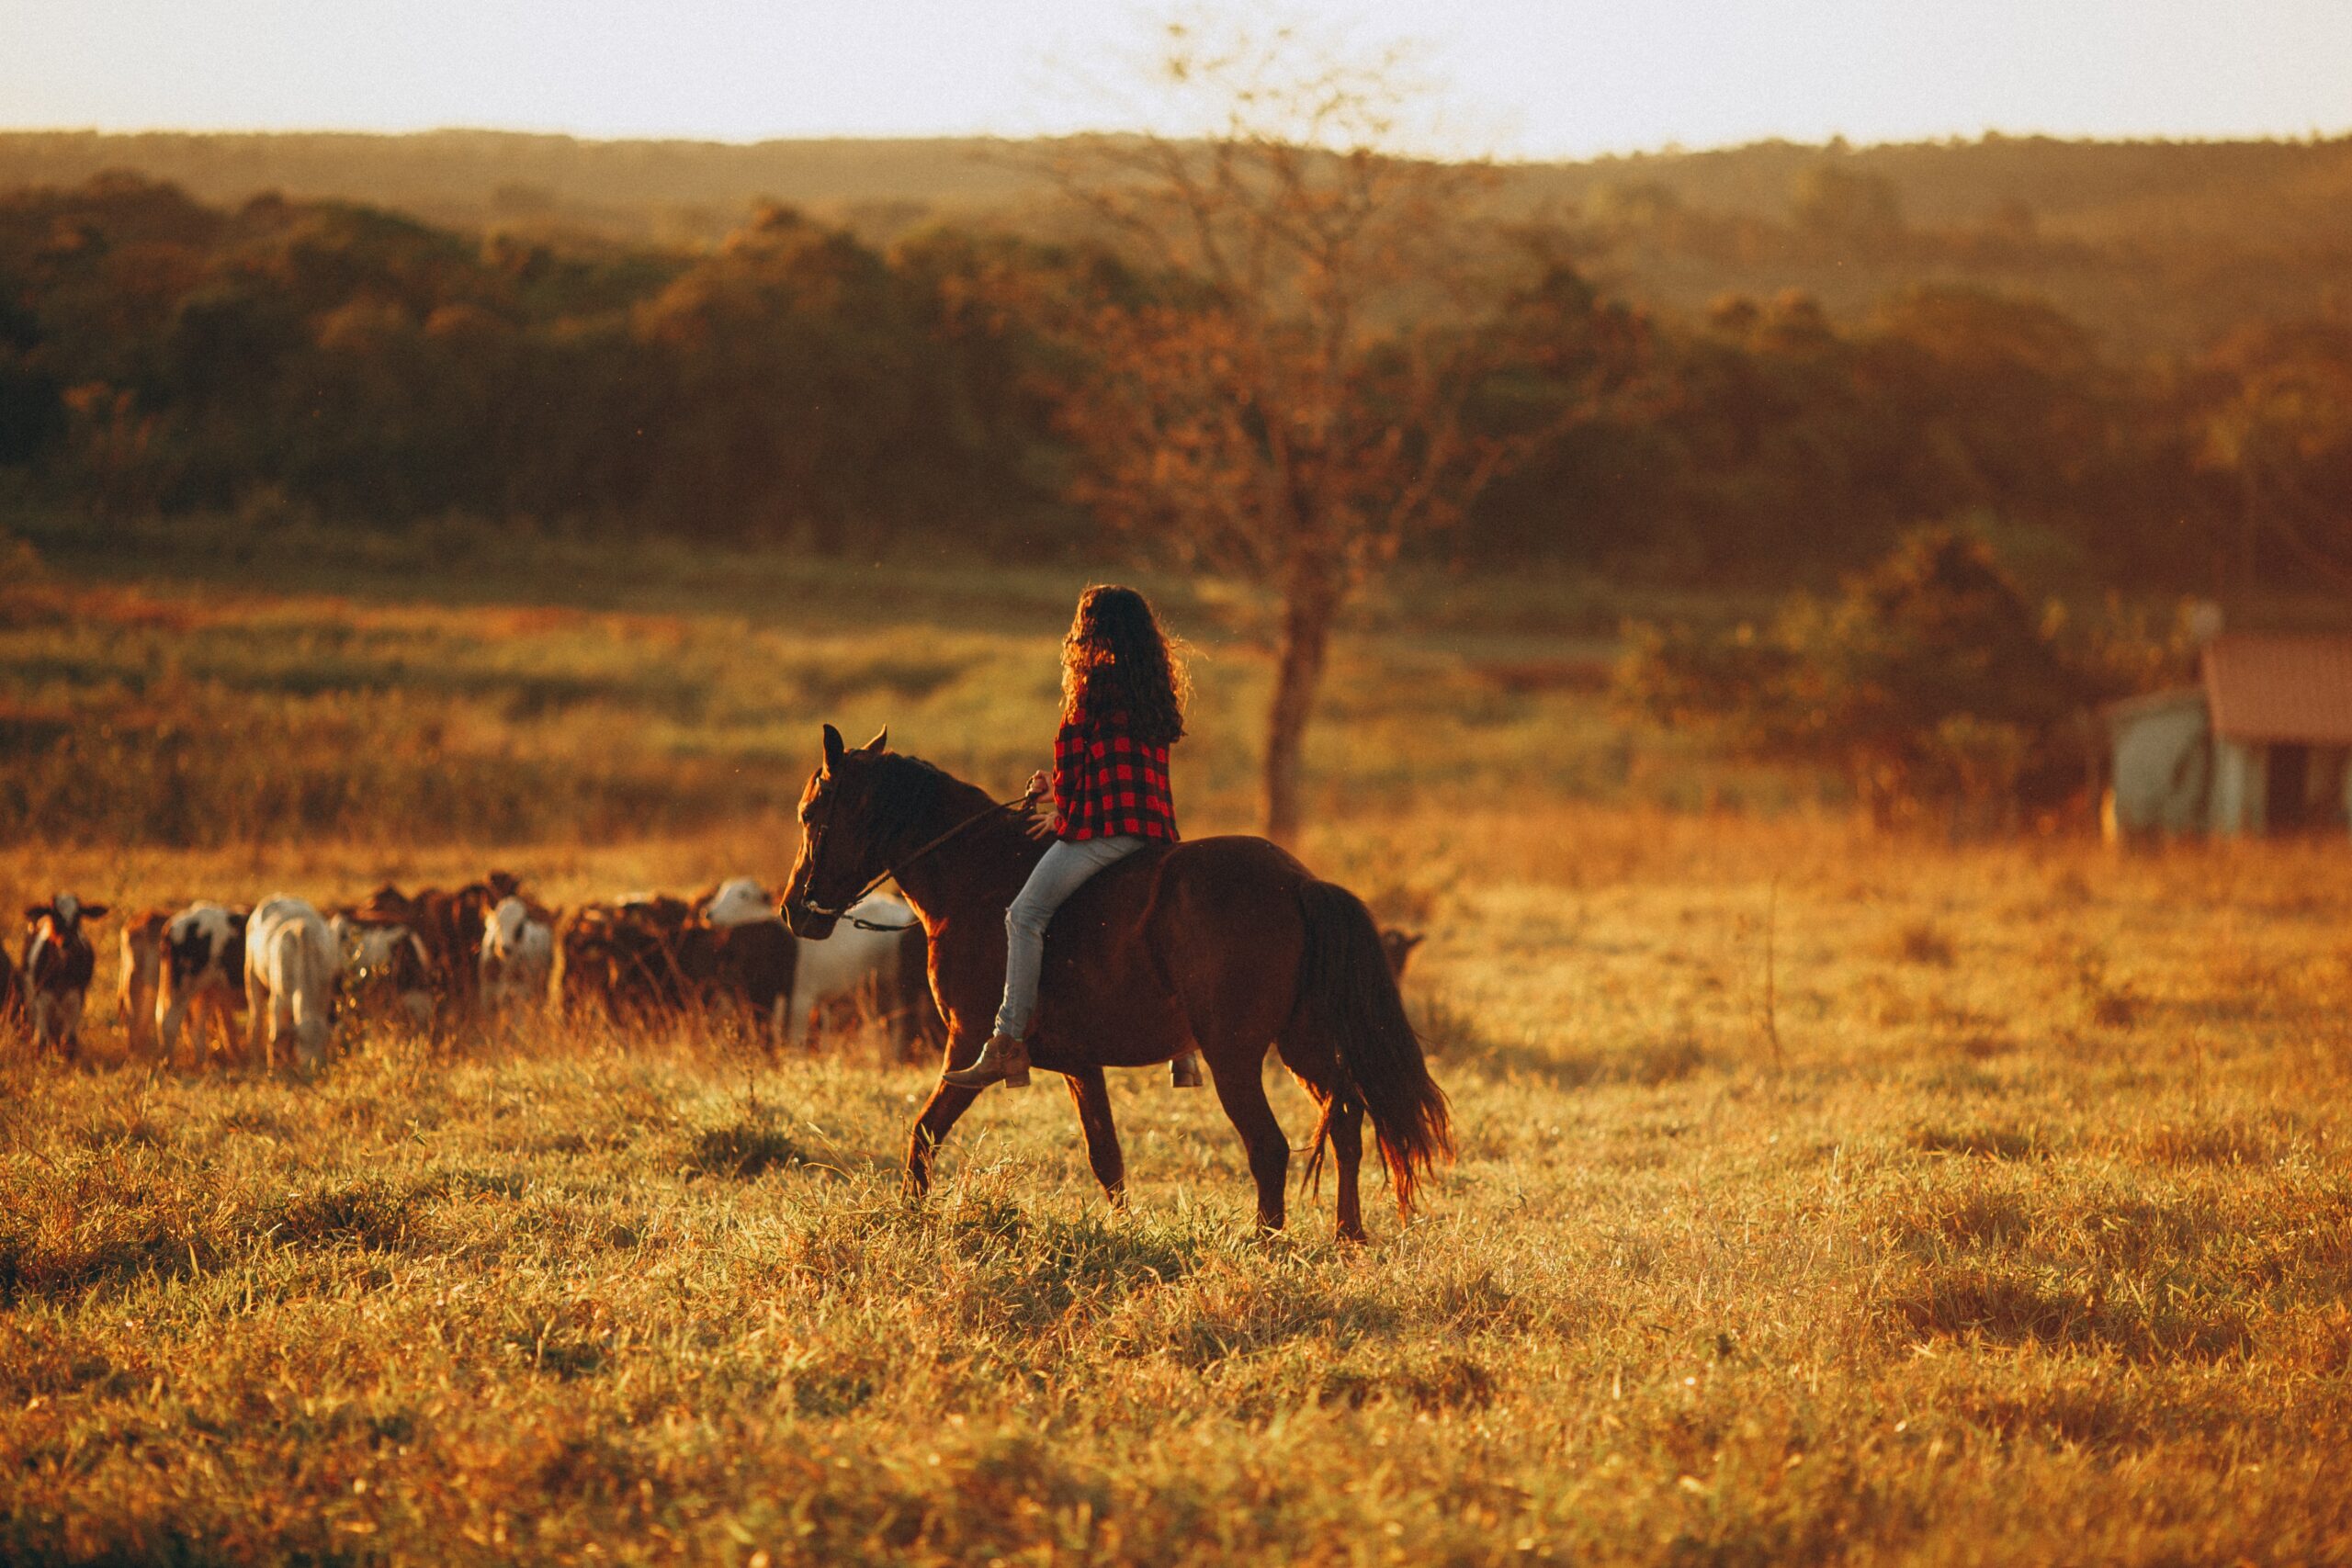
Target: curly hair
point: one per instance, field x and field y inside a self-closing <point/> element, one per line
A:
<point x="1116" y="659"/>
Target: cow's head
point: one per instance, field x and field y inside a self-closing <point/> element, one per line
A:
<point x="840" y="852"/>
<point x="505" y="923"/>
<point x="62" y="915"/>
<point x="1397" y="946"/>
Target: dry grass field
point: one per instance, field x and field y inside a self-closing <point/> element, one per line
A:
<point x="1822" y="1197"/>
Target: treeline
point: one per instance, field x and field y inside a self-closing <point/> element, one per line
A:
<point x="2155" y="245"/>
<point x="796" y="384"/>
<point x="790" y="385"/>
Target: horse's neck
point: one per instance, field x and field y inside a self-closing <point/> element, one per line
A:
<point x="976" y="872"/>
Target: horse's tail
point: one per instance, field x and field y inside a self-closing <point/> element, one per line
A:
<point x="1348" y="994"/>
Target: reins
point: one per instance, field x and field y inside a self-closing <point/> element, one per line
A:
<point x="887" y="872"/>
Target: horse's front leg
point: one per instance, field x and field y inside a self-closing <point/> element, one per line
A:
<point x="940" y="1113"/>
<point x="1092" y="1097"/>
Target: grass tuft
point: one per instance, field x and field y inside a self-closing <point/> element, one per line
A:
<point x="370" y="1213"/>
<point x="741" y="1150"/>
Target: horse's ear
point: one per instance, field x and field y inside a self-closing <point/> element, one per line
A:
<point x="96" y="912"/>
<point x="834" y="747"/>
<point x="881" y="740"/>
<point x="35" y="911"/>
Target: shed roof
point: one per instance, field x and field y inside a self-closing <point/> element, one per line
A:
<point x="2277" y="687"/>
<point x="2124" y="710"/>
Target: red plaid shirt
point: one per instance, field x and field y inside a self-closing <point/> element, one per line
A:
<point x="1108" y="784"/>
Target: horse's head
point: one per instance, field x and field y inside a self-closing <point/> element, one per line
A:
<point x="842" y="837"/>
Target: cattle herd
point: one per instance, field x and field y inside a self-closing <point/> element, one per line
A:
<point x="438" y="960"/>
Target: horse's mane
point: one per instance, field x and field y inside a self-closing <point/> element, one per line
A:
<point x="903" y="793"/>
<point x="906" y="793"/>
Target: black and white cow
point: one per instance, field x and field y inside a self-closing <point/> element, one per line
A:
<point x="387" y="971"/>
<point x="57" y="967"/>
<point x="202" y="975"/>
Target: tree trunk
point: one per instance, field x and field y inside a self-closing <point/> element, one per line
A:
<point x="1311" y="600"/>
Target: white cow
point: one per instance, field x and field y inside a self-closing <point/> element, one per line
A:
<point x="518" y="952"/>
<point x="848" y="960"/>
<point x="292" y="967"/>
<point x="740" y="901"/>
<point x="203" y="961"/>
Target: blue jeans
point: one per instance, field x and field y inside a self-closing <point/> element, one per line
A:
<point x="1063" y="872"/>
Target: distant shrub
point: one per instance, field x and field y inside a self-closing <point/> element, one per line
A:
<point x="1929" y="682"/>
<point x="1923" y="941"/>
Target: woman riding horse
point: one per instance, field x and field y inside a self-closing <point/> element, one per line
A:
<point x="1220" y="945"/>
<point x="1123" y="706"/>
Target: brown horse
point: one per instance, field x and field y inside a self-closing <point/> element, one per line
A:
<point x="1226" y="945"/>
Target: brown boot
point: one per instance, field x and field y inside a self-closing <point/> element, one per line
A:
<point x="1003" y="1059"/>
<point x="1184" y="1072"/>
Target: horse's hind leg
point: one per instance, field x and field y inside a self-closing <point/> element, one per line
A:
<point x="1241" y="1089"/>
<point x="1319" y="1069"/>
<point x="1347" y="1146"/>
<point x="1092" y="1097"/>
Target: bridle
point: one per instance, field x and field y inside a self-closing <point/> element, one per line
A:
<point x="816" y="847"/>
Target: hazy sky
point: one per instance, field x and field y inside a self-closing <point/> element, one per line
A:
<point x="1523" y="77"/>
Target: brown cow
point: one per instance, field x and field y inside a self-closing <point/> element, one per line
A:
<point x="753" y="970"/>
<point x="58" y="964"/>
<point x="582" y="974"/>
<point x="1396" y="946"/>
<point x="12" y="997"/>
<point x="634" y="960"/>
<point x="142" y="976"/>
<point x="654" y="956"/>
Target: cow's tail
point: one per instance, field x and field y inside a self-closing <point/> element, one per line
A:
<point x="1348" y="995"/>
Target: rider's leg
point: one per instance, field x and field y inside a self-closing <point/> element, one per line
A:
<point x="1064" y="870"/>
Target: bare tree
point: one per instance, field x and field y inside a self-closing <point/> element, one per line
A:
<point x="2284" y="433"/>
<point x="1305" y="366"/>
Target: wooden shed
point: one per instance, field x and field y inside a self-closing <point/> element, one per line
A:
<point x="2263" y="744"/>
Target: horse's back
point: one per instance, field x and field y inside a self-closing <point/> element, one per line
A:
<point x="1187" y="891"/>
<point x="1175" y="941"/>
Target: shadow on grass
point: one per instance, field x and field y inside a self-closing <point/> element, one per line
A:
<point x="1990" y="1143"/>
<point x="372" y="1214"/>
<point x="1038" y="1267"/>
<point x="33" y="1543"/>
<point x="1446" y="1381"/>
<point x="1975" y="1300"/>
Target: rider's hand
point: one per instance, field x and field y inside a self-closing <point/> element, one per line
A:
<point x="1040" y="785"/>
